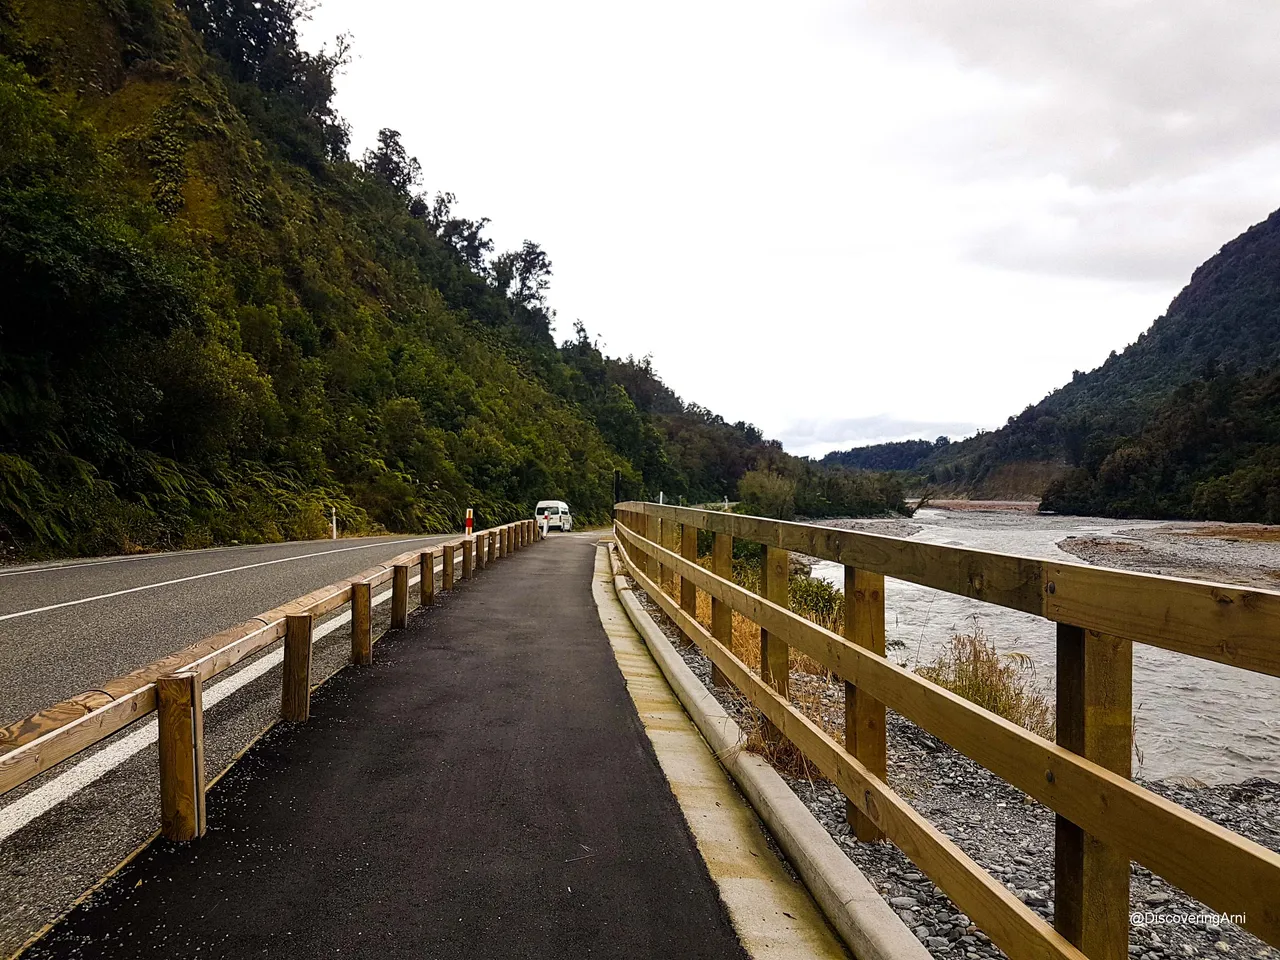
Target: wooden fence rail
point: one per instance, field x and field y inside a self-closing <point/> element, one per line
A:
<point x="38" y="743"/>
<point x="1104" y="819"/>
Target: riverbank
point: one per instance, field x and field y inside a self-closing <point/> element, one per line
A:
<point x="999" y="506"/>
<point x="1002" y="829"/>
<point x="1247" y="554"/>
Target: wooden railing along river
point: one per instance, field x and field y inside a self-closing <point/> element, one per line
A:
<point x="171" y="686"/>
<point x="1104" y="820"/>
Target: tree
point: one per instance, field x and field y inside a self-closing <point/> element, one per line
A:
<point x="524" y="275"/>
<point x="390" y="162"/>
<point x="467" y="239"/>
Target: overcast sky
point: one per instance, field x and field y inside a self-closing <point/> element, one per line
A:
<point x="844" y="222"/>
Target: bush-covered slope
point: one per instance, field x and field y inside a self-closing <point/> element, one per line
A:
<point x="1210" y="451"/>
<point x="217" y="326"/>
<point x="216" y="329"/>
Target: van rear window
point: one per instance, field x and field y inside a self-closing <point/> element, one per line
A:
<point x="554" y="511"/>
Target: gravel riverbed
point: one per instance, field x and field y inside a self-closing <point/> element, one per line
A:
<point x="1007" y="833"/>
<point x="1247" y="554"/>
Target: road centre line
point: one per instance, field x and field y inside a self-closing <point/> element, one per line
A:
<point x="199" y="576"/>
<point x="56" y="566"/>
<point x="40" y="801"/>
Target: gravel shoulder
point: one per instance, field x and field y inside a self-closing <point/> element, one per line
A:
<point x="1004" y="831"/>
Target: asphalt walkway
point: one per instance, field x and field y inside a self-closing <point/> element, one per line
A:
<point x="485" y="789"/>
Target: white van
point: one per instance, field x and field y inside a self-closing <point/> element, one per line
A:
<point x="555" y="513"/>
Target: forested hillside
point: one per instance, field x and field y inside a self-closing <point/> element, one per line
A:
<point x="1182" y="423"/>
<point x="897" y="455"/>
<point x="1211" y="450"/>
<point x="218" y="325"/>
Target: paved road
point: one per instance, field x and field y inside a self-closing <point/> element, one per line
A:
<point x="66" y="627"/>
<point x="486" y="789"/>
<point x="64" y="830"/>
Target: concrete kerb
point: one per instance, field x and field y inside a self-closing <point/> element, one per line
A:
<point x="866" y="923"/>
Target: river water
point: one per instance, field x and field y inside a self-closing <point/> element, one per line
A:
<point x="1195" y="718"/>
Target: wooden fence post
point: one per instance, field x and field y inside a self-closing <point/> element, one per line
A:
<point x="180" y="711"/>
<point x="656" y="532"/>
<point x="775" y="655"/>
<point x="721" y="614"/>
<point x="361" y="623"/>
<point x="864" y="731"/>
<point x="399" y="596"/>
<point x="493" y="545"/>
<point x="1095" y="720"/>
<point x="481" y="543"/>
<point x="446" y="576"/>
<point x="427" y="578"/>
<point x="649" y="530"/>
<point x="689" y="550"/>
<point x="295" y="698"/>
<point x="468" y="558"/>
<point x="671" y="540"/>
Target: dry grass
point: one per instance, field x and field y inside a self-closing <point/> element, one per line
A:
<point x="1004" y="683"/>
<point x="746" y="641"/>
<point x="808" y="681"/>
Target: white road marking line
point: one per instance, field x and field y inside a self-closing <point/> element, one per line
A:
<point x="55" y="566"/>
<point x="40" y="801"/>
<point x="201" y="576"/>
<point x="89" y="563"/>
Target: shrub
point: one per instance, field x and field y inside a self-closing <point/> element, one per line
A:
<point x="768" y="494"/>
<point x="1005" y="683"/>
<point x="818" y="601"/>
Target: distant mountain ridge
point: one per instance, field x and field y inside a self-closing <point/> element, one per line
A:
<point x="1105" y="434"/>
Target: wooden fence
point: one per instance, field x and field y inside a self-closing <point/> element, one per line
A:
<point x="172" y="685"/>
<point x="1103" y="821"/>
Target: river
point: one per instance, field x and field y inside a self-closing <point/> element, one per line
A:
<point x="1195" y="718"/>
